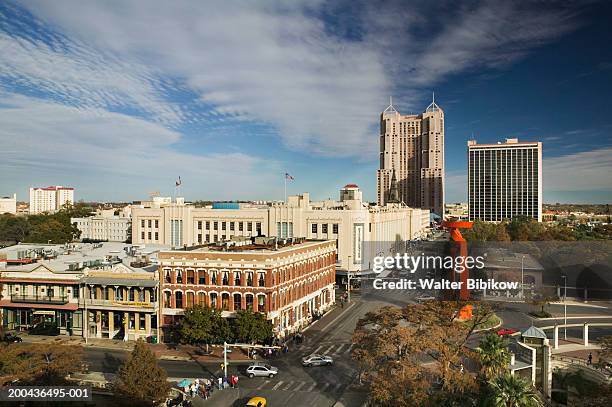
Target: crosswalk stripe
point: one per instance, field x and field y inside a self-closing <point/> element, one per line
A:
<point x="327" y="351"/>
<point x="339" y="348"/>
<point x="349" y="348"/>
<point x="277" y="385"/>
<point x="289" y="385"/>
<point x="300" y="386"/>
<point x="316" y="350"/>
<point x="263" y="384"/>
<point x="325" y="387"/>
<point x="337" y="389"/>
<point x="311" y="388"/>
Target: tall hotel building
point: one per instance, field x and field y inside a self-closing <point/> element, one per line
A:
<point x="50" y="199"/>
<point x="412" y="158"/>
<point x="505" y="180"/>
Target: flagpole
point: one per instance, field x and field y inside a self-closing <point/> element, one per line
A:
<point x="285" y="188"/>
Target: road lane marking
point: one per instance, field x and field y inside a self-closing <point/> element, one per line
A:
<point x="316" y="350"/>
<point x="311" y="388"/>
<point x="277" y="385"/>
<point x="288" y="385"/>
<point x="300" y="386"/>
<point x="263" y="384"/>
<point x="349" y="349"/>
<point x="339" y="348"/>
<point x="337" y="317"/>
<point x="325" y="387"/>
<point x="328" y="349"/>
<point x="337" y="389"/>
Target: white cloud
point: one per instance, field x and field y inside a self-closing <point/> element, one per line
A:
<point x="584" y="171"/>
<point x="45" y="142"/>
<point x="278" y="64"/>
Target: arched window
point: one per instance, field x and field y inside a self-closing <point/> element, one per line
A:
<point x="213" y="300"/>
<point x="168" y="278"/>
<point x="190" y="299"/>
<point x="262" y="281"/>
<point x="237" y="301"/>
<point x="202" y="298"/>
<point x="201" y="277"/>
<point x="225" y="301"/>
<point x="213" y="277"/>
<point x="179" y="277"/>
<point x="249" y="302"/>
<point x="190" y="277"/>
<point x="237" y="278"/>
<point x="225" y="278"/>
<point x="250" y="279"/>
<point x="167" y="295"/>
<point x="261" y="303"/>
<point x="178" y="300"/>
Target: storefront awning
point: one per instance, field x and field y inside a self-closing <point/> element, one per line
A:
<point x="66" y="307"/>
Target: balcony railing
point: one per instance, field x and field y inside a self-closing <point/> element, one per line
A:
<point x="120" y="303"/>
<point x="39" y="299"/>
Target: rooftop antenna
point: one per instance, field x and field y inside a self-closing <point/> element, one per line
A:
<point x="390" y="108"/>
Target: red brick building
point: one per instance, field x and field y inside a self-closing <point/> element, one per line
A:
<point x="289" y="280"/>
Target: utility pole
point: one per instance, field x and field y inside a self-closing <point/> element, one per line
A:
<point x="348" y="279"/>
<point x="224" y="359"/>
<point x="522" y="278"/>
<point x="565" y="306"/>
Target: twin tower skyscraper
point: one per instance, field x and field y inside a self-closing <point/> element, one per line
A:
<point x="412" y="159"/>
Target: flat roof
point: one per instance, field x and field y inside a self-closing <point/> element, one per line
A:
<point x="252" y="248"/>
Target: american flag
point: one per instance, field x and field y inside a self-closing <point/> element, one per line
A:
<point x="289" y="177"/>
<point x="179" y="182"/>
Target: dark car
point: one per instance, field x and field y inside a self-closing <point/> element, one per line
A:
<point x="45" y="328"/>
<point x="10" y="338"/>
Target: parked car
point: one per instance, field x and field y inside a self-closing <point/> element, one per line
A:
<point x="317" y="360"/>
<point x="260" y="369"/>
<point x="10" y="338"/>
<point x="256" y="402"/>
<point x="506" y="331"/>
<point x="45" y="328"/>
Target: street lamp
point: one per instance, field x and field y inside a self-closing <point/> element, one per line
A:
<point x="348" y="279"/>
<point x="564" y="277"/>
<point x="523" y="277"/>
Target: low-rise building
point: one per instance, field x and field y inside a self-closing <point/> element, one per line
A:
<point x="349" y="222"/>
<point x="289" y="280"/>
<point x="105" y="225"/>
<point x="8" y="204"/>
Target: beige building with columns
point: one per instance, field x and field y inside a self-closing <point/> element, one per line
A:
<point x="349" y="222"/>
<point x="412" y="158"/>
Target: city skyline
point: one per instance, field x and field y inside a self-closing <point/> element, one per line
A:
<point x="97" y="99"/>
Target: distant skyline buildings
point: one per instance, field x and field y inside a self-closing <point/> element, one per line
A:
<point x="50" y="199"/>
<point x="412" y="158"/>
<point x="504" y="180"/>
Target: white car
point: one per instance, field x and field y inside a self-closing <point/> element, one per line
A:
<point x="257" y="369"/>
<point x="317" y="360"/>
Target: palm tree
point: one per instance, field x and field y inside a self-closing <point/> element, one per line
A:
<point x="494" y="356"/>
<point x="512" y="391"/>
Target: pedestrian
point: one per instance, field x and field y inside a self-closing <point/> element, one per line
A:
<point x="235" y="380"/>
<point x="220" y="380"/>
<point x="590" y="362"/>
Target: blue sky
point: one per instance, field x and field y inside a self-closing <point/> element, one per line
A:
<point x="119" y="98"/>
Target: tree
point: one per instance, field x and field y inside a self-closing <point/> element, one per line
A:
<point x="512" y="391"/>
<point x="423" y="347"/>
<point x="606" y="348"/>
<point x="251" y="327"/>
<point x="493" y="355"/>
<point x="140" y="381"/>
<point x="200" y="325"/>
<point x="42" y="364"/>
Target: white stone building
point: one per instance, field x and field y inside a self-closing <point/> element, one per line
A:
<point x="8" y="204"/>
<point x="104" y="226"/>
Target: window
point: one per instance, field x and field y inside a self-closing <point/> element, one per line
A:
<point x="142" y="235"/>
<point x="335" y="228"/>
<point x="119" y="294"/>
<point x="213" y="300"/>
<point x="156" y="235"/>
<point x="249" y="227"/>
<point x="215" y="225"/>
<point x="149" y="235"/>
<point x="131" y="291"/>
<point x="141" y="295"/>
<point x="261" y="303"/>
<point x="156" y="223"/>
<point x="213" y="277"/>
<point x="142" y="322"/>
<point x="223" y="225"/>
<point x="225" y="278"/>
<point x="179" y="277"/>
<point x="314" y="228"/>
<point x="249" y="280"/>
<point x="258" y="228"/>
<point x="199" y="224"/>
<point x="178" y="299"/>
<point x="262" y="281"/>
<point x="142" y="223"/>
<point x="231" y="225"/>
<point x="190" y="277"/>
<point x="324" y="228"/>
<point x="168" y="279"/>
<point x="237" y="301"/>
<point x="167" y="299"/>
<point x="149" y="223"/>
<point x="240" y="226"/>
<point x="237" y="278"/>
<point x="132" y="320"/>
<point x="201" y="277"/>
<point x="207" y="225"/>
